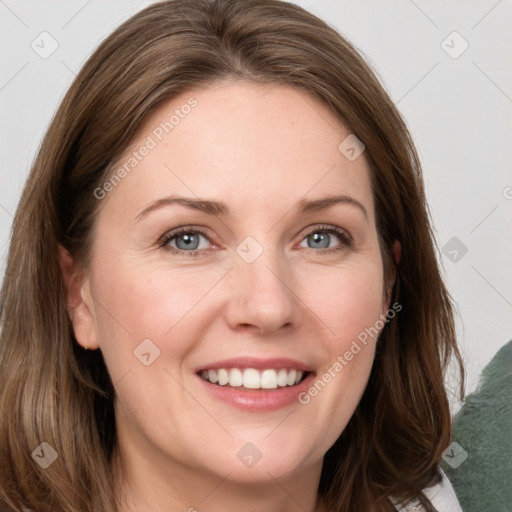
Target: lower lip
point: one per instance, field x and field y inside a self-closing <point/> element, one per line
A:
<point x="258" y="399"/>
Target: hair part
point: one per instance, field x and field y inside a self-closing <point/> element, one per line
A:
<point x="60" y="394"/>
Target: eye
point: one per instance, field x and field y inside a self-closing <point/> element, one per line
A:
<point x="320" y="237"/>
<point x="187" y="241"/>
<point x="184" y="240"/>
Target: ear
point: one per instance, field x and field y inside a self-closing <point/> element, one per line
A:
<point x="396" y="253"/>
<point x="80" y="306"/>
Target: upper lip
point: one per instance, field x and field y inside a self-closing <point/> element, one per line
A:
<point x="257" y="363"/>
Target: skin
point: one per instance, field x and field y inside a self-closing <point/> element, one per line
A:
<point x="260" y="149"/>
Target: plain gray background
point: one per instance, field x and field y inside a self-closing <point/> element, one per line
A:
<point x="457" y="102"/>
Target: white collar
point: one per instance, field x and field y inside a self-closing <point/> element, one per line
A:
<point x="442" y="496"/>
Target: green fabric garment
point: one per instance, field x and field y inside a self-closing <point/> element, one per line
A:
<point x="483" y="428"/>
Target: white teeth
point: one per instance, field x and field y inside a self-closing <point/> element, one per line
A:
<point x="269" y="379"/>
<point x="223" y="376"/>
<point x="292" y="374"/>
<point x="235" y="378"/>
<point x="251" y="378"/>
<point x="282" y="377"/>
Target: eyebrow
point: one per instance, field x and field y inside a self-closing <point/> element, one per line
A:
<point x="218" y="208"/>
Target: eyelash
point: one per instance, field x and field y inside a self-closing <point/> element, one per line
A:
<point x="342" y="235"/>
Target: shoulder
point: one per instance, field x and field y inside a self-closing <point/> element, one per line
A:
<point x="442" y="496"/>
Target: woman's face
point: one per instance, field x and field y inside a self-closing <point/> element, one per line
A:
<point x="278" y="280"/>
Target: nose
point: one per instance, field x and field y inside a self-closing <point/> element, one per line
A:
<point x="262" y="294"/>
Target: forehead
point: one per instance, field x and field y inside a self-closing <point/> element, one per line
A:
<point x="254" y="146"/>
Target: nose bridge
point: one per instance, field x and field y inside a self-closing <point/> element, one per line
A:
<point x="262" y="293"/>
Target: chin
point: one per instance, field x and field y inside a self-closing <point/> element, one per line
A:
<point x="261" y="460"/>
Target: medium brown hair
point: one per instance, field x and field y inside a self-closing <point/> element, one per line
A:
<point x="52" y="390"/>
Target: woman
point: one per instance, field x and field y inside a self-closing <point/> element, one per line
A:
<point x="222" y="284"/>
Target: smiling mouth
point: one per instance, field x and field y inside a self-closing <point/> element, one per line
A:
<point x="253" y="379"/>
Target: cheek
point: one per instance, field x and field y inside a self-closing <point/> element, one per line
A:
<point x="350" y="305"/>
<point x="347" y="299"/>
<point x="146" y="301"/>
<point x="358" y="307"/>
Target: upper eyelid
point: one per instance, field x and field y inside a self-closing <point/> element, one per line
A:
<point x="325" y="227"/>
